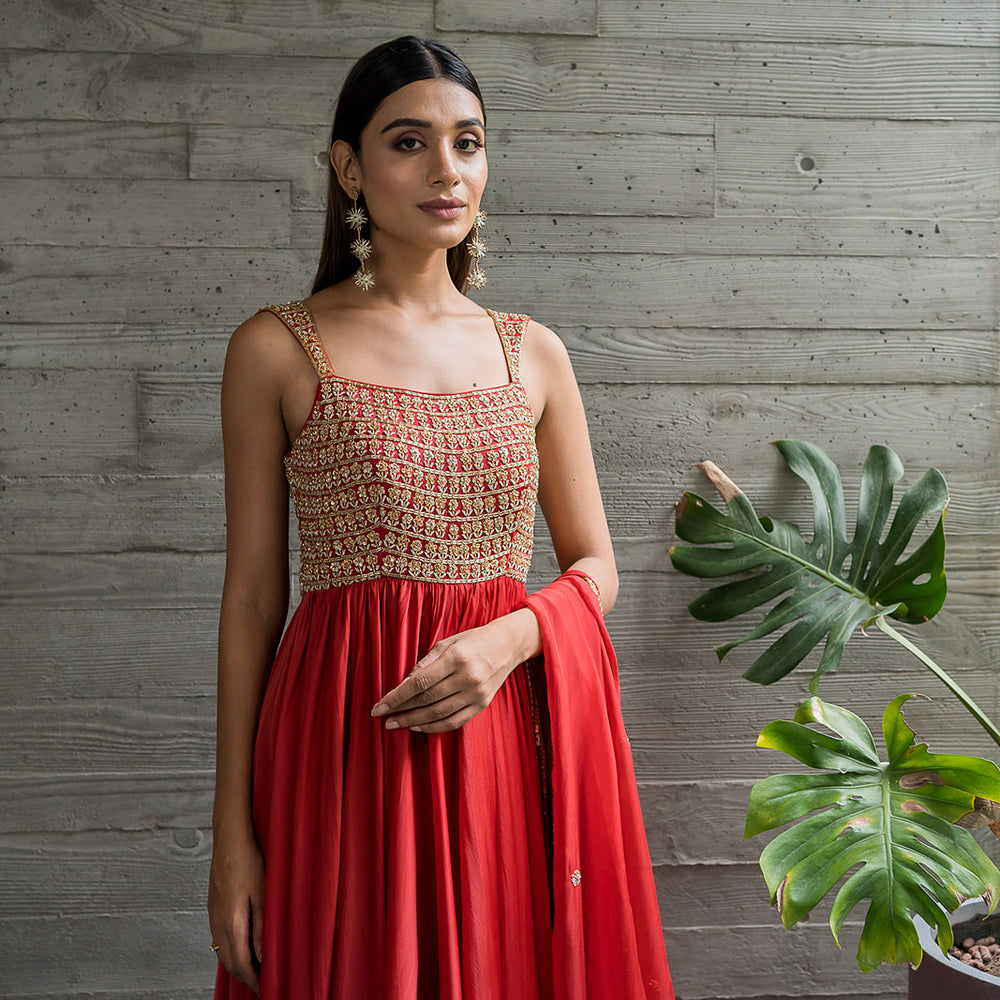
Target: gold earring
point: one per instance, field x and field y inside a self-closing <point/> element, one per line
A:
<point x="477" y="250"/>
<point x="361" y="248"/>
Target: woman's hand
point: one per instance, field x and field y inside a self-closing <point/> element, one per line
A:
<point x="235" y="905"/>
<point x="460" y="675"/>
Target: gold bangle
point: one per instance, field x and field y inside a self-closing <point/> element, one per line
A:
<point x="593" y="586"/>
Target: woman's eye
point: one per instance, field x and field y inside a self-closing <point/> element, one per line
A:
<point x="408" y="142"/>
<point x="469" y="144"/>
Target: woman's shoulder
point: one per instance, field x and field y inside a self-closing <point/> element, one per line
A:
<point x="264" y="339"/>
<point x="544" y="345"/>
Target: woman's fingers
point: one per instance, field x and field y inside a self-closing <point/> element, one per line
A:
<point x="257" y="925"/>
<point x="440" y="712"/>
<point x="234" y="951"/>
<point x="455" y="721"/>
<point x="416" y="688"/>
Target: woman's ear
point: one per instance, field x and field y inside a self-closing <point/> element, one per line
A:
<point x="344" y="161"/>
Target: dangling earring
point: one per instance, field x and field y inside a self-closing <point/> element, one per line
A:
<point x="477" y="250"/>
<point x="361" y="248"/>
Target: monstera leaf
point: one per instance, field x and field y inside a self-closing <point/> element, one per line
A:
<point x="895" y="820"/>
<point x="831" y="583"/>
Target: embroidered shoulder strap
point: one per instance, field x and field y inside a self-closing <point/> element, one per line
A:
<point x="511" y="327"/>
<point x="299" y="319"/>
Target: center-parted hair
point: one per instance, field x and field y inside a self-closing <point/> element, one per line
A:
<point x="376" y="75"/>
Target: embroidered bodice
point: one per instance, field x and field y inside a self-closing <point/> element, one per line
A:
<point x="391" y="482"/>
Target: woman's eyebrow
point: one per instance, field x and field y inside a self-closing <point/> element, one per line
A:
<point x="422" y="123"/>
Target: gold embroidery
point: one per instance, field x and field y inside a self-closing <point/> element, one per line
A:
<point x="390" y="482"/>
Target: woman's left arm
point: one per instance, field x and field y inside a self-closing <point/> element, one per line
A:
<point x="460" y="675"/>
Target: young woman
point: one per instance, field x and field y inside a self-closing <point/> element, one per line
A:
<point x="425" y="790"/>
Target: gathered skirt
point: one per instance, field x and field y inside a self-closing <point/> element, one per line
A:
<point x="506" y="860"/>
<point x="399" y="865"/>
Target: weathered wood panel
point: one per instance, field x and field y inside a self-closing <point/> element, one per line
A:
<point x="967" y="22"/>
<point x="719" y="235"/>
<point x="859" y="292"/>
<point x="564" y="17"/>
<point x="69" y="421"/>
<point x="136" y="581"/>
<point x="628" y="164"/>
<point x="857" y="168"/>
<point x="292" y="27"/>
<point x="110" y="654"/>
<point x="221" y="285"/>
<point x="523" y="72"/>
<point x="712" y="962"/>
<point x="138" y="286"/>
<point x="91" y="149"/>
<point x="107" y="956"/>
<point x="198" y="347"/>
<point x="146" y="213"/>
<point x="114" y="513"/>
<point x="59" y="803"/>
<point x="113" y="734"/>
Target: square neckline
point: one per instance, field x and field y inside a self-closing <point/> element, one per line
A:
<point x="333" y="375"/>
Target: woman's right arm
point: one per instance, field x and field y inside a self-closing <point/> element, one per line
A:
<point x="254" y="606"/>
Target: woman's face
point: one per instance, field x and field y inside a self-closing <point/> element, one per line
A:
<point x="422" y="167"/>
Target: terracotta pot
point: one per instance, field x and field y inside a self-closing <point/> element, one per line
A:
<point x="942" y="976"/>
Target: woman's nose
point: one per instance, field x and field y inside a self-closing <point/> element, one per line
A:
<point x="443" y="166"/>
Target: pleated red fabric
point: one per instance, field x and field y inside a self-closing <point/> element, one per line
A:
<point x="503" y="861"/>
<point x="398" y="865"/>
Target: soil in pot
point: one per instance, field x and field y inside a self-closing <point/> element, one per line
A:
<point x="940" y="977"/>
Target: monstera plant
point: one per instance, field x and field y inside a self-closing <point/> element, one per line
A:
<point x="895" y="827"/>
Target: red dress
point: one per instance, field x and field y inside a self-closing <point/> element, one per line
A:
<point x="505" y="860"/>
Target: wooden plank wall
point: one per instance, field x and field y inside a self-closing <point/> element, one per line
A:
<point x="748" y="220"/>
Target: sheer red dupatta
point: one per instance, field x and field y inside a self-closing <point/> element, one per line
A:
<point x="607" y="938"/>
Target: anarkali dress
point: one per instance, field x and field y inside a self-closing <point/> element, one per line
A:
<point x="505" y="860"/>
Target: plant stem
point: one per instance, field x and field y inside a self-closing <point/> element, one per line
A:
<point x="942" y="675"/>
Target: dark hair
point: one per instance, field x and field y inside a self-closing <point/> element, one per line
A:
<point x="376" y="75"/>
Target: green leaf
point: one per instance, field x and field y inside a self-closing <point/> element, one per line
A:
<point x="887" y="826"/>
<point x="827" y="586"/>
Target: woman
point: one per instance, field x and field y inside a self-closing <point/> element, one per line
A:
<point x="408" y="796"/>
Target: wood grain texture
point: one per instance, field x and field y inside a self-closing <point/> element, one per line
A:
<point x="859" y="292"/>
<point x="147" y="286"/>
<point x="562" y="17"/>
<point x="91" y="149"/>
<point x="718" y="235"/>
<point x="875" y="22"/>
<point x="68" y="346"/>
<point x="759" y="961"/>
<point x="108" y="955"/>
<point x="114" y="513"/>
<point x="106" y="801"/>
<point x="215" y="26"/>
<point x="523" y="72"/>
<point x="734" y="77"/>
<point x="69" y="421"/>
<point x="857" y="168"/>
<point x="146" y="213"/>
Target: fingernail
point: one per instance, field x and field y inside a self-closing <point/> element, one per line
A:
<point x="379" y="710"/>
<point x="415" y="729"/>
<point x="392" y="724"/>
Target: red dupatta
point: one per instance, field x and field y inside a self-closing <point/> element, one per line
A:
<point x="607" y="937"/>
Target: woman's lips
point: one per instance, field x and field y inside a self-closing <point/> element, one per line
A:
<point x="443" y="209"/>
